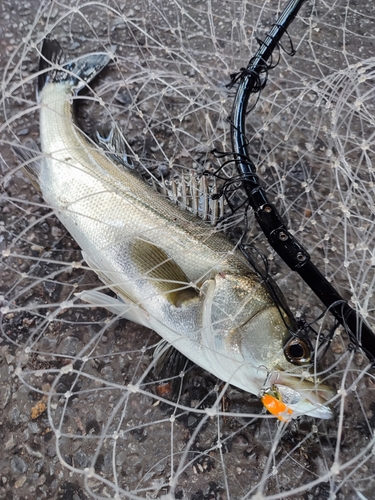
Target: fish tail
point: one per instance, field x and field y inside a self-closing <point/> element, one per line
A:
<point x="77" y="73"/>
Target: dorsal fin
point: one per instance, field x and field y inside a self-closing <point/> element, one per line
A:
<point x="188" y="192"/>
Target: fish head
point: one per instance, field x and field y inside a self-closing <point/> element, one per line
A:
<point x="257" y="326"/>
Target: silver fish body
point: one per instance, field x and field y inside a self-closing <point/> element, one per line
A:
<point x="171" y="271"/>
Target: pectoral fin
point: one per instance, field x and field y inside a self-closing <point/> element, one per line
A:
<point x="164" y="274"/>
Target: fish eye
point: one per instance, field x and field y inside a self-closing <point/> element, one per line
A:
<point x="297" y="351"/>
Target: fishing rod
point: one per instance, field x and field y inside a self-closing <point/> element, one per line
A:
<point x="252" y="80"/>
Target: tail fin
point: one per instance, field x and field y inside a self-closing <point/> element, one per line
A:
<point x="78" y="72"/>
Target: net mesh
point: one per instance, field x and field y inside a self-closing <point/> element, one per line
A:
<point x="83" y="387"/>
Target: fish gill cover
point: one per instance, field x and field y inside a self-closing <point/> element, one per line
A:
<point x="84" y="414"/>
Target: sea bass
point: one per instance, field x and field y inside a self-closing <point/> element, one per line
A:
<point x="171" y="271"/>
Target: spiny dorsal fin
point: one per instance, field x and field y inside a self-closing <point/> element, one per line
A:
<point x="195" y="195"/>
<point x="189" y="192"/>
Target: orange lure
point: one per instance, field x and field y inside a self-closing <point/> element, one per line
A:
<point x="276" y="407"/>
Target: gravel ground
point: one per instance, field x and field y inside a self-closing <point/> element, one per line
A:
<point x="82" y="415"/>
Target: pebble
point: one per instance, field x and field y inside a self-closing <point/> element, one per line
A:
<point x="10" y="443"/>
<point x="74" y="45"/>
<point x="80" y="459"/>
<point x="9" y="358"/>
<point x="38" y="409"/>
<point x="124" y="97"/>
<point x="14" y="416"/>
<point x="20" y="482"/>
<point x="38" y="464"/>
<point x="121" y="457"/>
<point x="41" y="480"/>
<point x="5" y="392"/>
<point x="34" y="427"/>
<point x="51" y="450"/>
<point x="18" y="465"/>
<point x="69" y="346"/>
<point x="56" y="232"/>
<point x="32" y="452"/>
<point x="24" y="131"/>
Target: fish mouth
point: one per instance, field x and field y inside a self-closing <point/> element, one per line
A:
<point x="307" y="401"/>
<point x="291" y="397"/>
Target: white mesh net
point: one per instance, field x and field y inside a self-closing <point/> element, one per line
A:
<point x="85" y="390"/>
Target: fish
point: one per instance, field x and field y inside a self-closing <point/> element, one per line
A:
<point x="170" y="270"/>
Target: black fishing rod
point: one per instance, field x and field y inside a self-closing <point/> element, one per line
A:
<point x="251" y="80"/>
